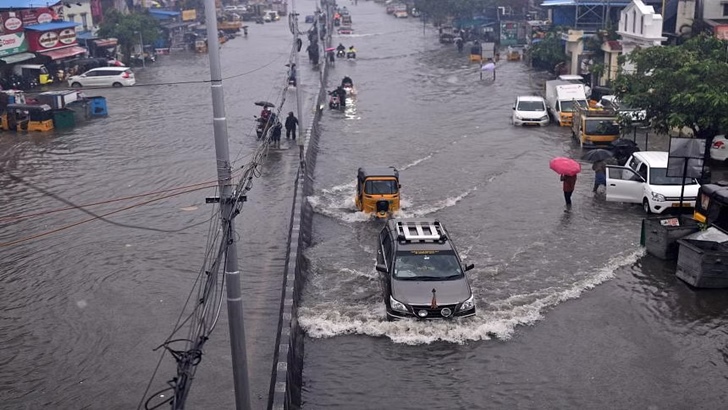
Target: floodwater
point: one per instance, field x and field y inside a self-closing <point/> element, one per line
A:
<point x="82" y="308"/>
<point x="571" y="313"/>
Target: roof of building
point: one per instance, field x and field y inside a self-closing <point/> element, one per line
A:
<point x="55" y="25"/>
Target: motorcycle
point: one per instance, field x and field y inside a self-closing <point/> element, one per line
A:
<point x="262" y="125"/>
<point x="351" y="56"/>
<point x="334" y="102"/>
<point x="340" y="54"/>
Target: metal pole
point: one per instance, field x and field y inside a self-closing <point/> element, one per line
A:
<point x="299" y="105"/>
<point x="224" y="175"/>
<point x="141" y="46"/>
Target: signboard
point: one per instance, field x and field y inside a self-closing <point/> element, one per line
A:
<point x="189" y="15"/>
<point x="51" y="39"/>
<point x="12" y="44"/>
<point x="686" y="157"/>
<point x="37" y="16"/>
<point x="721" y="32"/>
<point x="508" y="33"/>
<point x="10" y="22"/>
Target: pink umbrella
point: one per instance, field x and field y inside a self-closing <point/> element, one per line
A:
<point x="565" y="166"/>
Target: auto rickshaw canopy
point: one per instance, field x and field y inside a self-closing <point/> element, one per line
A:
<point x="377" y="171"/>
<point x="36" y="112"/>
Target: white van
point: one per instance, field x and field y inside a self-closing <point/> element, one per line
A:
<point x="643" y="180"/>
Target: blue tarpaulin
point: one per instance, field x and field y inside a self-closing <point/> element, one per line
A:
<point x="26" y="4"/>
<point x="164" y="14"/>
<point x="56" y="25"/>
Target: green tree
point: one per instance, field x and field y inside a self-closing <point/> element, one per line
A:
<point x="127" y="27"/>
<point x="549" y="52"/>
<point x="680" y="86"/>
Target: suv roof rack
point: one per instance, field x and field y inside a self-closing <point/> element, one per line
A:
<point x="408" y="231"/>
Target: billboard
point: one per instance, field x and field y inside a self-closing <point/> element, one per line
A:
<point x="685" y="158"/>
<point x="12" y="44"/>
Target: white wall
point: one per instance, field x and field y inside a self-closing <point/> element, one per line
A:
<point x="713" y="9"/>
<point x="76" y="13"/>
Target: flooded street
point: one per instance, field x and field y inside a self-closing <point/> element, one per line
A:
<point x="570" y="312"/>
<point x="83" y="307"/>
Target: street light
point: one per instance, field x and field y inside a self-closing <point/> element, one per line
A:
<point x="141" y="49"/>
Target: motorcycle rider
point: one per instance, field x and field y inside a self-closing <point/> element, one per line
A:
<point x="340" y="93"/>
<point x="351" y="52"/>
<point x="292" y="74"/>
<point x="340" y="50"/>
<point x="347" y="82"/>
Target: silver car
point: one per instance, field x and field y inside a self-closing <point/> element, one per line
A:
<point x="103" y="77"/>
<point x="421" y="273"/>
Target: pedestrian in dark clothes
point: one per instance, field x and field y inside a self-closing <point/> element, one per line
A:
<point x="276" y="135"/>
<point x="291" y="125"/>
<point x="569" y="185"/>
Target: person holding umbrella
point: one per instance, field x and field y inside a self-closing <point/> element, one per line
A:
<point x="599" y="158"/>
<point x="567" y="168"/>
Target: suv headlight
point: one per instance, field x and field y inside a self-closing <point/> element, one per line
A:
<point x="658" y="197"/>
<point x="518" y="117"/>
<point x="468" y="304"/>
<point x="397" y="305"/>
<point x="545" y="117"/>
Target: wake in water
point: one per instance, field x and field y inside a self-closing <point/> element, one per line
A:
<point x="363" y="312"/>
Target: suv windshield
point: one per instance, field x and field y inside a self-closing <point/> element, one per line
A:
<point x="430" y="265"/>
<point x="658" y="176"/>
<point x="601" y="127"/>
<point x="380" y="187"/>
<point x="530" y="106"/>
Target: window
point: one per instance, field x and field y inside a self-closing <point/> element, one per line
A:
<point x="626" y="19"/>
<point x="380" y="187"/>
<point x="634" y="21"/>
<point x="530" y="106"/>
<point x="84" y="21"/>
<point x="435" y="266"/>
<point x="387" y="245"/>
<point x="642" y="25"/>
<point x="71" y="17"/>
<point x="725" y="10"/>
<point x="658" y="176"/>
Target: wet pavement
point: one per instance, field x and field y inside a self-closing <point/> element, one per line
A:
<point x="571" y="313"/>
<point x="82" y="308"/>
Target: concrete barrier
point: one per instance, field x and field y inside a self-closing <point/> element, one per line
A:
<point x="286" y="380"/>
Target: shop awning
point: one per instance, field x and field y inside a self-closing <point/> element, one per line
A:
<point x="55" y="25"/>
<point x="16" y="58"/>
<point x="164" y="14"/>
<point x="65" y="52"/>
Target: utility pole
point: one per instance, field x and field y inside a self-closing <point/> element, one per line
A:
<point x="224" y="176"/>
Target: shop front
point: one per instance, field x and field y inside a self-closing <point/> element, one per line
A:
<point x="55" y="46"/>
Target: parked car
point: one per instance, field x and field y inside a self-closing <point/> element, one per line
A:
<point x="530" y="110"/>
<point x="719" y="149"/>
<point x="643" y="180"/>
<point x="421" y="273"/>
<point x="103" y="77"/>
<point x="634" y="114"/>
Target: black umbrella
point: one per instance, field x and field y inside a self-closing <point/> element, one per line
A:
<point x="598" y="155"/>
<point x="622" y="142"/>
<point x="264" y="104"/>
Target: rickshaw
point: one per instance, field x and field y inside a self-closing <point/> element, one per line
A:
<point x="38" y="72"/>
<point x="711" y="206"/>
<point x="377" y="190"/>
<point x="26" y="117"/>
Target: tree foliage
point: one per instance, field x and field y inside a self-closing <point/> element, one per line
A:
<point x="680" y="86"/>
<point x="126" y="28"/>
<point x="549" y="52"/>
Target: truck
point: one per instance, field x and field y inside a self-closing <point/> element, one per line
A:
<point x="594" y="126"/>
<point x="561" y="98"/>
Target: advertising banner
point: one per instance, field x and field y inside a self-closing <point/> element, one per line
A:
<point x="48" y="40"/>
<point x="10" y="22"/>
<point x="12" y="44"/>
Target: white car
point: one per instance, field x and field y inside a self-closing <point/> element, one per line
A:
<point x="643" y="180"/>
<point x="719" y="149"/>
<point x="611" y="101"/>
<point x="103" y="77"/>
<point x="530" y="110"/>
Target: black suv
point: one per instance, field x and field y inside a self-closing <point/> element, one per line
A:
<point x="421" y="272"/>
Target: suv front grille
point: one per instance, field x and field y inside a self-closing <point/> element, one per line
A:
<point x="677" y="198"/>
<point x="434" y="313"/>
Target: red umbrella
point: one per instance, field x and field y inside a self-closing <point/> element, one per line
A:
<point x="331" y="49"/>
<point x="565" y="166"/>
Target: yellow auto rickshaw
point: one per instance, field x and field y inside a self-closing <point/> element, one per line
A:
<point x="377" y="190"/>
<point x="39" y="72"/>
<point x="27" y="117"/>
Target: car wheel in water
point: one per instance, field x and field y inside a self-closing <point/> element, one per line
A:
<point x="116" y="85"/>
<point x="646" y="206"/>
<point x="76" y="85"/>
